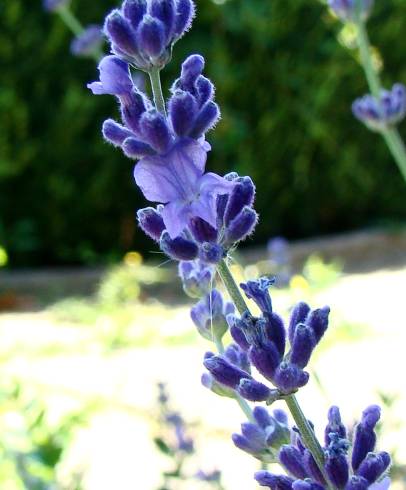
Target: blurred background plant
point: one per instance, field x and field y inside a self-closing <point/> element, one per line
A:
<point x="176" y="444"/>
<point x="52" y="128"/>
<point x="32" y="446"/>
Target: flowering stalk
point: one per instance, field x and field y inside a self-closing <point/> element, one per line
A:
<point x="302" y="423"/>
<point x="390" y="134"/>
<point x="197" y="219"/>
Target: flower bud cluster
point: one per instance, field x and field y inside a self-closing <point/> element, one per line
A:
<point x="380" y="114"/>
<point x="359" y="472"/>
<point x="209" y="315"/>
<point x="263" y="438"/>
<point x="351" y="10"/>
<point x="145" y="131"/>
<point x="209" y="239"/>
<point x="264" y="340"/>
<point x="142" y="32"/>
<point x="201" y="215"/>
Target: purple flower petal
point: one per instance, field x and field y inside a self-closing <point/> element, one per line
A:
<point x="176" y="216"/>
<point x="115" y="77"/>
<point x="173" y="176"/>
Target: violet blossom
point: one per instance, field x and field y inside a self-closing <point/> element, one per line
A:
<point x="89" y="42"/>
<point x="349" y="10"/>
<point x="366" y="470"/>
<point x="387" y="111"/>
<point x="143" y="32"/>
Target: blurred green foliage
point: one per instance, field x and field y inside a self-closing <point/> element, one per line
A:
<point x="32" y="447"/>
<point x="284" y="84"/>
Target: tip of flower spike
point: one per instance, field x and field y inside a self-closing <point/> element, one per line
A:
<point x="371" y="416"/>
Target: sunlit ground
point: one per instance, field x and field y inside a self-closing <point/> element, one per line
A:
<point x="103" y="362"/>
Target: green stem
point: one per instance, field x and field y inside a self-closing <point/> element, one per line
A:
<point x="70" y="20"/>
<point x="396" y="147"/>
<point x="232" y="288"/>
<point x="390" y="135"/>
<point x="306" y="432"/>
<point x="366" y="59"/>
<point x="154" y="75"/>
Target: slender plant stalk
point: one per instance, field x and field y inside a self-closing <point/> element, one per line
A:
<point x="154" y="75"/>
<point x="390" y="135"/>
<point x="70" y="20"/>
<point x="307" y="433"/>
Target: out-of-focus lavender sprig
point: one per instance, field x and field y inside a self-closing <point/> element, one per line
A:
<point x="88" y="41"/>
<point x="280" y="258"/>
<point x="53" y="5"/>
<point x="382" y="113"/>
<point x="381" y="110"/>
<point x="350" y="10"/>
<point x="175" y="443"/>
<point x="359" y="469"/>
<point x="210" y="316"/>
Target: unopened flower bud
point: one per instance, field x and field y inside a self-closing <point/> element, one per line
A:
<point x="155" y="130"/>
<point x="151" y="222"/>
<point x="178" y="248"/>
<point x="241" y="226"/>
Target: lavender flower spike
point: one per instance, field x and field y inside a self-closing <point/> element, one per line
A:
<point x="349" y="10"/>
<point x="379" y="114"/>
<point x="368" y="469"/>
<point x="178" y="180"/>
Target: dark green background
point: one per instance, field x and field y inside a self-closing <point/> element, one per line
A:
<point x="284" y="85"/>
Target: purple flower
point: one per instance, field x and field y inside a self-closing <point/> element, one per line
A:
<point x="115" y="78"/>
<point x="89" y="42"/>
<point x="53" y="5"/>
<point x="348" y="10"/>
<point x="262" y="438"/>
<point x="258" y="292"/>
<point x="300" y="464"/>
<point x="379" y="114"/>
<point x="143" y="32"/>
<point x="265" y="338"/>
<point x="148" y="131"/>
<point x="212" y="476"/>
<point x="178" y="180"/>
